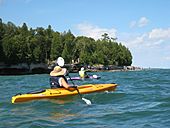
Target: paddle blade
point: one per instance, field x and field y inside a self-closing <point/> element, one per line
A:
<point x="87" y="101"/>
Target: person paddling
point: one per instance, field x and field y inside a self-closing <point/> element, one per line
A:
<point x="82" y="73"/>
<point x="58" y="79"/>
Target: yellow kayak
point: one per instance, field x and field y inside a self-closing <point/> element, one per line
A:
<point x="62" y="92"/>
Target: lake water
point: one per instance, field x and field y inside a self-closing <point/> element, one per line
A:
<point x="142" y="100"/>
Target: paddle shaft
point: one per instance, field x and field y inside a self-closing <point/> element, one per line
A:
<point x="74" y="85"/>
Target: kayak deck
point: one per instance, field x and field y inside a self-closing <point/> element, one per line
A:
<point x="62" y="92"/>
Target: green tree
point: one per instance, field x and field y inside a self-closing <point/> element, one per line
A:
<point x="23" y="45"/>
<point x="2" y="31"/>
<point x="105" y="37"/>
<point x="40" y="46"/>
<point x="56" y="46"/>
<point x="9" y="45"/>
<point x="84" y="49"/>
<point x="48" y="38"/>
<point x="69" y="45"/>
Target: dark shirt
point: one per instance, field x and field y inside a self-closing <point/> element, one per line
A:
<point x="54" y="81"/>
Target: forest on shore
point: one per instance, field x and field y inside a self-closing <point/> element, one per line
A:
<point x="23" y="44"/>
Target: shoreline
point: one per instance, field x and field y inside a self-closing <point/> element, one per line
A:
<point x="44" y="69"/>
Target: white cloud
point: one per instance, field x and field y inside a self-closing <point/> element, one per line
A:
<point x="93" y="31"/>
<point x="143" y="21"/>
<point x="150" y="49"/>
<point x="138" y="41"/>
<point x="153" y="38"/>
<point x="167" y="58"/>
<point x="132" y="24"/>
<point x="160" y="33"/>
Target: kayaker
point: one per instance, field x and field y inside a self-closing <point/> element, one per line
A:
<point x="82" y="73"/>
<point x="58" y="79"/>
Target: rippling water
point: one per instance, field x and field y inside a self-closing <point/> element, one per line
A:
<point x="142" y="100"/>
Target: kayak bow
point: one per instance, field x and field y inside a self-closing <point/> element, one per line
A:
<point x="62" y="92"/>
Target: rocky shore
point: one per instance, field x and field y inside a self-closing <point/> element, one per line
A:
<point x="24" y="69"/>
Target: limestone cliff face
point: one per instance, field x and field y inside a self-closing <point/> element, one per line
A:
<point x="23" y="68"/>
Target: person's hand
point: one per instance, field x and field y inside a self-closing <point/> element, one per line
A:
<point x="74" y="86"/>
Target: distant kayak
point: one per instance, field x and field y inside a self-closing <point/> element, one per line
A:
<point x="79" y="78"/>
<point x="62" y="92"/>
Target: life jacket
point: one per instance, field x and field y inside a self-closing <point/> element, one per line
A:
<point x="82" y="74"/>
<point x="54" y="81"/>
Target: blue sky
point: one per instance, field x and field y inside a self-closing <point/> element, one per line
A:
<point x="141" y="25"/>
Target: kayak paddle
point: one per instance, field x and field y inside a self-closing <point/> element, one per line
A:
<point x="84" y="99"/>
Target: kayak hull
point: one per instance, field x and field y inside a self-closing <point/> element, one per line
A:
<point x="62" y="92"/>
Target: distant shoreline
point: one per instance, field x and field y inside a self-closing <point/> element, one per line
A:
<point x="23" y="69"/>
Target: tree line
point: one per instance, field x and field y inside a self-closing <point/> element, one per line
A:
<point x="21" y="44"/>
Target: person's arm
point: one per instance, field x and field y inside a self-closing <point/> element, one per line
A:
<point x="86" y="75"/>
<point x="64" y="83"/>
<point x="67" y="86"/>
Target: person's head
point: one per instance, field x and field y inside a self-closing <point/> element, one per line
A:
<point x="58" y="71"/>
<point x="82" y="69"/>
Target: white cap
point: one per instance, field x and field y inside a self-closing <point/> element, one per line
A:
<point x="82" y="69"/>
<point x="60" y="61"/>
